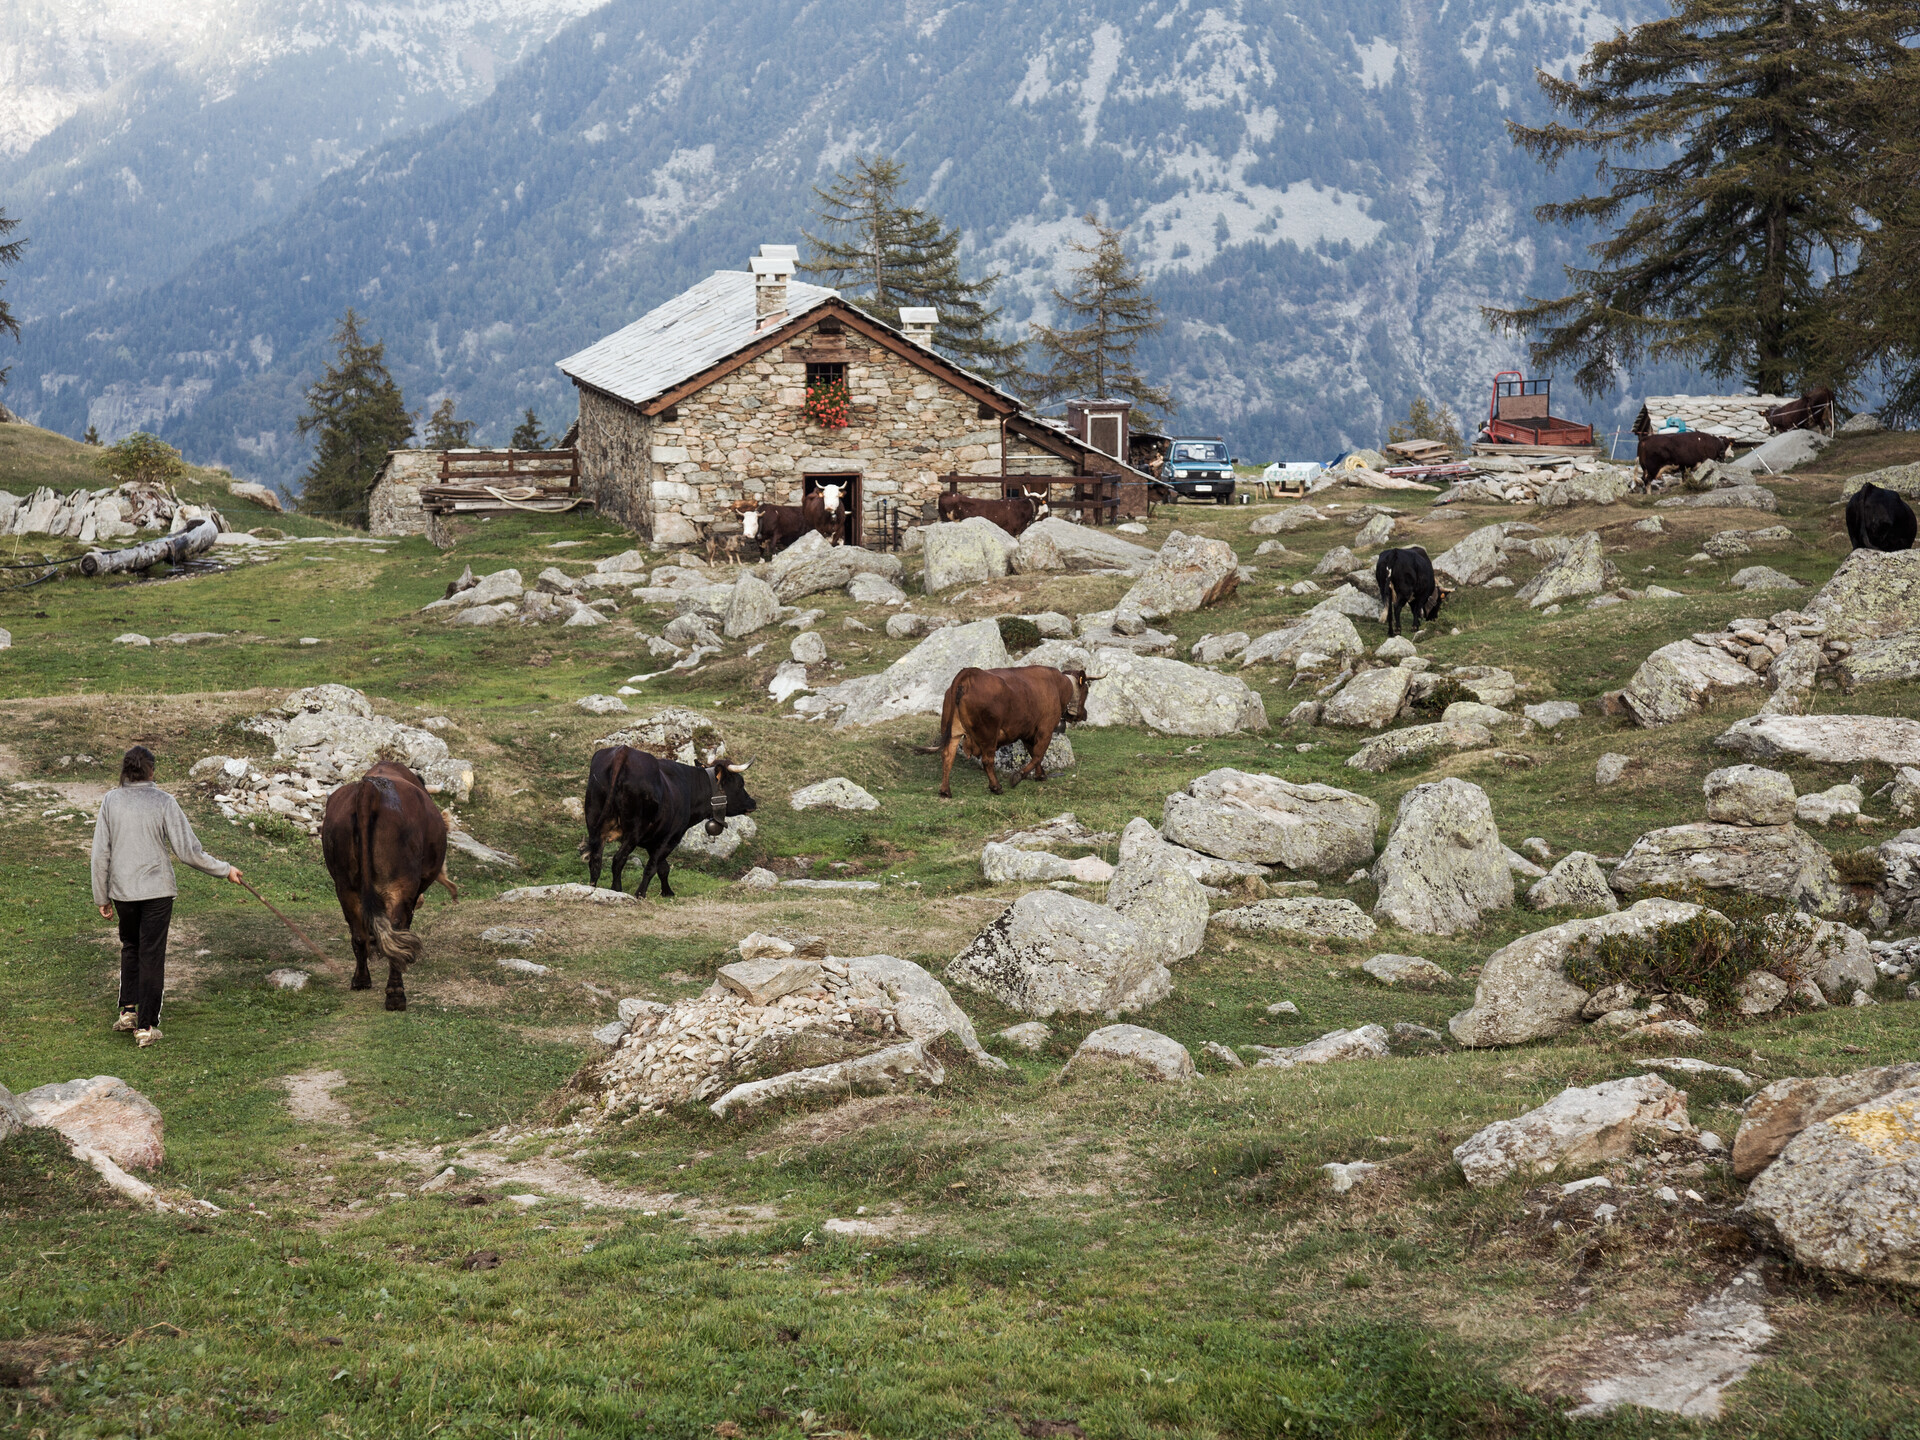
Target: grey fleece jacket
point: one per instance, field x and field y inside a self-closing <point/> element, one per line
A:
<point x="138" y="825"/>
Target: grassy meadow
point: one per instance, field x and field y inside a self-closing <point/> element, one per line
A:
<point x="1103" y="1258"/>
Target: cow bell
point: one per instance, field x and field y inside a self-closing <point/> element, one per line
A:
<point x="717" y="814"/>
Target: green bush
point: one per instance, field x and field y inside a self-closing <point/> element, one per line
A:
<point x="1018" y="634"/>
<point x="145" y="458"/>
<point x="1705" y="956"/>
<point x="1861" y="867"/>
<point x="1434" y="703"/>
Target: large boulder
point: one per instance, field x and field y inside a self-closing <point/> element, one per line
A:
<point x="1786" y="1107"/>
<point x="1579" y="1126"/>
<point x="916" y="683"/>
<point x="1901" y="888"/>
<point x="1474" y="560"/>
<point x="1190" y="573"/>
<point x="750" y="607"/>
<point x="1739" y="497"/>
<point x="920" y="1004"/>
<point x="1152" y="887"/>
<point x="961" y="554"/>
<point x="1132" y="1047"/>
<point x="1782" y="452"/>
<point x="1682" y="679"/>
<point x="813" y="564"/>
<point x="1369" y="701"/>
<point x="1845" y="1192"/>
<point x="1576" y="883"/>
<point x="1828" y="739"/>
<point x="1781" y="862"/>
<point x="1418" y="743"/>
<point x="1443" y="866"/>
<point x="1051" y="953"/>
<point x="1580" y="571"/>
<point x="1874" y="595"/>
<point x="1524" y="992"/>
<point x="104" y="1114"/>
<point x="1004" y="864"/>
<point x="1311" y="915"/>
<point x="1056" y="544"/>
<point x="1603" y="487"/>
<point x="1169" y="696"/>
<point x="1238" y="815"/>
<point x="1319" y="632"/>
<point x="1367" y="1042"/>
<point x="1283" y="522"/>
<point x="1749" y="795"/>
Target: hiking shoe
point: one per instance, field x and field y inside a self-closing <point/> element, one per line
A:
<point x="144" y="1038"/>
<point x="126" y="1022"/>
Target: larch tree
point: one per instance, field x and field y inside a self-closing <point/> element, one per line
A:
<point x="1724" y="170"/>
<point x="885" y="255"/>
<point x="1879" y="299"/>
<point x="356" y="414"/>
<point x="1105" y="313"/>
<point x="10" y="253"/>
<point x="446" y="430"/>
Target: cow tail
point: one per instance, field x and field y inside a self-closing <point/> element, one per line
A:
<point x="398" y="946"/>
<point x="949" y="710"/>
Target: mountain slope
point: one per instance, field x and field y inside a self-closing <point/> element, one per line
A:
<point x="1324" y="197"/>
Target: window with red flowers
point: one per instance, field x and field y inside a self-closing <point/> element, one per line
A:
<point x="828" y="401"/>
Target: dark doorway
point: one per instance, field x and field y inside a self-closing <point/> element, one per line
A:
<point x="852" y="528"/>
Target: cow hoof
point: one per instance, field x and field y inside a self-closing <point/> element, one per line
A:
<point x="396" y="1001"/>
<point x="360" y="982"/>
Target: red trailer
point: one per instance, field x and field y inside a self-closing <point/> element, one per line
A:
<point x="1520" y="413"/>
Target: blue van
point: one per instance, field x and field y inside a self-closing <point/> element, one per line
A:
<point x="1199" y="468"/>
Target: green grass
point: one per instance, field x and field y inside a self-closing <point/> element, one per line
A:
<point x="1126" y="1258"/>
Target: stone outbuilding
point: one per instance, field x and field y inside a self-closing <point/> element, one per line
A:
<point x="755" y="385"/>
<point x="1742" y="418"/>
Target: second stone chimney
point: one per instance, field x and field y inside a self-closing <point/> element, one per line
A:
<point x="772" y="268"/>
<point x="917" y="323"/>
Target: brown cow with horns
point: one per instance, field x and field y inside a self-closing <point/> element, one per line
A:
<point x="991" y="708"/>
<point x="385" y="843"/>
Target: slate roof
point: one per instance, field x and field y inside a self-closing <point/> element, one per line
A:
<point x="676" y="341"/>
<point x="1740" y="417"/>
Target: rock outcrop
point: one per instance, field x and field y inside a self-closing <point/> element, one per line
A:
<point x="1152" y="887"/>
<point x="1781" y="862"/>
<point x="1169" y="696"/>
<point x="1190" y="573"/>
<point x="1580" y="1126"/>
<point x="1238" y="815"/>
<point x="1576" y="882"/>
<point x="1309" y="915"/>
<point x="1786" y="1107"/>
<point x="1443" y="866"/>
<point x="1051" y="954"/>
<point x="1133" y="1048"/>
<point x="916" y="683"/>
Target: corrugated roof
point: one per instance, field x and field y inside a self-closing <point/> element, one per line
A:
<point x="676" y="341"/>
<point x="1739" y="417"/>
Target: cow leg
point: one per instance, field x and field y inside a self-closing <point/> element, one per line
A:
<point x="594" y="847"/>
<point x="946" y="763"/>
<point x="402" y="912"/>
<point x="619" y="864"/>
<point x="357" y="931"/>
<point x="658" y="864"/>
<point x="989" y="746"/>
<point x="1036" y="765"/>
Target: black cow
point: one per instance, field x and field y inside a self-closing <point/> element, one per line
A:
<point x="1812" y="411"/>
<point x="648" y="803"/>
<point x="1405" y="578"/>
<point x="1878" y="519"/>
<point x="1684" y="449"/>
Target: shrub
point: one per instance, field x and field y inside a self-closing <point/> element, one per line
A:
<point x="1861" y="867"/>
<point x="144" y="458"/>
<point x="1434" y="703"/>
<point x="1706" y="955"/>
<point x="1018" y="634"/>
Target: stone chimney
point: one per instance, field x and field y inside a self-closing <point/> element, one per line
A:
<point x="772" y="268"/>
<point x="917" y="322"/>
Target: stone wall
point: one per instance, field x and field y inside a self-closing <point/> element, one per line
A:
<point x="747" y="435"/>
<point x="393" y="504"/>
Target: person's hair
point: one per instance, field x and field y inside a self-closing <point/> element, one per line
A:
<point x="136" y="766"/>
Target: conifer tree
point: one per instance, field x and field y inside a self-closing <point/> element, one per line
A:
<point x="10" y="252"/>
<point x="1105" y="314"/>
<point x="1424" y="422"/>
<point x="446" y="430"/>
<point x="1724" y="161"/>
<point x="527" y="434"/>
<point x="92" y="437"/>
<point x="357" y="413"/>
<point x="1879" y="299"/>
<point x="885" y="254"/>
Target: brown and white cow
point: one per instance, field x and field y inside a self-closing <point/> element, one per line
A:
<point x="1012" y="514"/>
<point x="385" y="842"/>
<point x="776" y="527"/>
<point x="991" y="708"/>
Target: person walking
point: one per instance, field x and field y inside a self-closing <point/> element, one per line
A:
<point x="139" y="825"/>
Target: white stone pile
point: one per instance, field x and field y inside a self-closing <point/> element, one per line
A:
<point x="502" y="596"/>
<point x="323" y="736"/>
<point x="118" y="512"/>
<point x="1521" y="480"/>
<point x="1783" y="656"/>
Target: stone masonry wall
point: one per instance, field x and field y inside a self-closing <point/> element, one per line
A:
<point x="747" y="435"/>
<point x="393" y="504"/>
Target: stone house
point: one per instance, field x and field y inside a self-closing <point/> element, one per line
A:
<point x="704" y="402"/>
<point x="1740" y="417"/>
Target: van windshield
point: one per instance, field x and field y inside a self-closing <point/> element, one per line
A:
<point x="1200" y="450"/>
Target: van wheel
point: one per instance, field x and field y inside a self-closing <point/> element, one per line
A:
<point x="1223" y="499"/>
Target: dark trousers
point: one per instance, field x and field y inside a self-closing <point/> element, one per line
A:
<point x="143" y="955"/>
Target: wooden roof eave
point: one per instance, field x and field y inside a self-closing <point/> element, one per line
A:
<point x="1066" y="446"/>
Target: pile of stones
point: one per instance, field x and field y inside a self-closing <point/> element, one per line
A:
<point x="118" y="512"/>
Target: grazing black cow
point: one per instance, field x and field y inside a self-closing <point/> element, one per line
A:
<point x="1878" y="519"/>
<point x="1405" y="578"/>
<point x="648" y="803"/>
<point x="1685" y="450"/>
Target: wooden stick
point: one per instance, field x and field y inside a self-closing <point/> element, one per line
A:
<point x="324" y="958"/>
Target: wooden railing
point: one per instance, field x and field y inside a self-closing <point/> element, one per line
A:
<point x="1100" y="499"/>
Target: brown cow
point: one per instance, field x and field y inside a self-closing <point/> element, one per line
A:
<point x="778" y="526"/>
<point x="385" y="842"/>
<point x="1812" y="411"/>
<point x="1012" y="514"/>
<point x="991" y="708"/>
<point x="1683" y="449"/>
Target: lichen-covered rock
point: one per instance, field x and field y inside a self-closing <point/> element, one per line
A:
<point x="1579" y="1126"/>
<point x="1415" y="972"/>
<point x="1320" y="632"/>
<point x="1838" y="802"/>
<point x="1132" y="1047"/>
<point x="1524" y="992"/>
<point x="1370" y="700"/>
<point x="1418" y="743"/>
<point x="1576" y="883"/>
<point x="1844" y="1193"/>
<point x="1874" y="595"/>
<point x="1763" y="577"/>
<point x="1474" y="560"/>
<point x="1151" y="886"/>
<point x="1828" y="739"/>
<point x="1781" y="862"/>
<point x="1056" y="544"/>
<point x="1786" y="1107"/>
<point x="1443" y="866"/>
<point x="916" y="683"/>
<point x="1190" y="573"/>
<point x="1212" y="649"/>
<point x="1337" y="561"/>
<point x="1312" y="915"/>
<point x="1682" y="679"/>
<point x="1051" y="953"/>
<point x="1004" y="864"/>
<point x="1238" y="815"/>
<point x="1737" y="497"/>
<point x="1749" y="795"/>
<point x="960" y="554"/>
<point x="1367" y="1042"/>
<point x="1282" y="522"/>
<point x="1833" y="956"/>
<point x="1581" y="571"/>
<point x="751" y="607"/>
<point x="103" y="1113"/>
<point x="838" y="793"/>
<point x="1169" y="696"/>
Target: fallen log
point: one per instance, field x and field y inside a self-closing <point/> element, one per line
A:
<point x="169" y="549"/>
